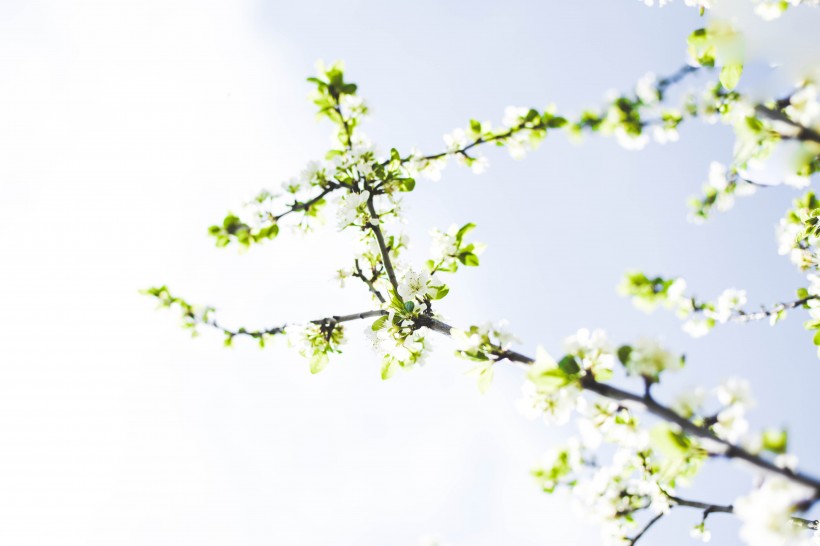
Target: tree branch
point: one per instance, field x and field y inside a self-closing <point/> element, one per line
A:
<point x="650" y="523"/>
<point x="369" y="282"/>
<point x="742" y="316"/>
<point x="800" y="132"/>
<point x="388" y="265"/>
<point x="652" y="406"/>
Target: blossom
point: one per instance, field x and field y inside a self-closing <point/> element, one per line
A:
<point x="647" y="88"/>
<point x="456" y="140"/>
<point x="648" y="359"/>
<point x="690" y="403"/>
<point x="465" y="341"/>
<point x="351" y="207"/>
<point x="787" y="234"/>
<point x="419" y="165"/>
<point x="555" y="407"/>
<point x="479" y="164"/>
<point x="697" y="327"/>
<point x="731" y="424"/>
<point x="729" y="301"/>
<point x="630" y="141"/>
<point x="444" y="243"/>
<point x="518" y="144"/>
<point x="513" y="115"/>
<point x="593" y="350"/>
<point x="341" y="275"/>
<point x="313" y="172"/>
<point x="735" y="391"/>
<point x="766" y="511"/>
<point x="662" y="135"/>
<point x="416" y="286"/>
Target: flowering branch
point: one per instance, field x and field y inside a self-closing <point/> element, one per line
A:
<point x="646" y="463"/>
<point x="589" y="383"/>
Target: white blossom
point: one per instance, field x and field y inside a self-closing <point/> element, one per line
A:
<point x="647" y="88"/>
<point x="415" y="286"/>
<point x="729" y="301"/>
<point x="593" y="350"/>
<point x="555" y="407"/>
<point x="351" y="207"/>
<point x="629" y="141"/>
<point x="456" y="140"/>
<point x="735" y="391"/>
<point x="513" y="115"/>
<point x="697" y="327"/>
<point x="766" y="512"/>
<point x="648" y="358"/>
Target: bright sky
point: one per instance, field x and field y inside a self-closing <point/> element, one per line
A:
<point x="126" y="128"/>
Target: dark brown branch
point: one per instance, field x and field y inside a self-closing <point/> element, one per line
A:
<point x="385" y="252"/>
<point x="743" y="316"/>
<point x="298" y="206"/>
<point x="368" y="281"/>
<point x="335" y="319"/>
<point x="709" y="508"/>
<point x="799" y="131"/>
<point x="652" y="406"/>
<point x="646" y="527"/>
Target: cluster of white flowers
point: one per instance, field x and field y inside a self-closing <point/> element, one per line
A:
<point x="519" y="143"/>
<point x="555" y="407"/>
<point x="647" y="89"/>
<point x="456" y="141"/>
<point x="352" y="210"/>
<point x="729" y="301"/>
<point x="735" y="396"/>
<point x="444" y="245"/>
<point x="315" y="341"/>
<point x="431" y="169"/>
<point x="593" y="351"/>
<point x="352" y="107"/>
<point x="399" y="345"/>
<point x="610" y="422"/>
<point x="766" y="512"/>
<point x="649" y="359"/>
<point x="415" y="286"/>
<point x="486" y="337"/>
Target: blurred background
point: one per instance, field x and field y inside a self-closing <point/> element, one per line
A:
<point x="127" y="128"/>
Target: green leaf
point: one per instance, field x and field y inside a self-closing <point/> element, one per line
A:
<point x="569" y="365"/>
<point x="775" y="440"/>
<point x="485" y="378"/>
<point x="730" y="75"/>
<point x="468" y="259"/>
<point x="623" y="353"/>
<point x="389" y="369"/>
<point x="673" y="445"/>
<point x="378" y="324"/>
<point x="318" y="362"/>
<point x="465" y="229"/>
<point x="406" y="184"/>
<point x="817" y="338"/>
<point x="441" y="292"/>
<point x="548" y="379"/>
<point x="409" y="306"/>
<point x="802" y="293"/>
<point x="754" y="124"/>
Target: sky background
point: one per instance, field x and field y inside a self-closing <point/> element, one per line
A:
<point x="127" y="128"/>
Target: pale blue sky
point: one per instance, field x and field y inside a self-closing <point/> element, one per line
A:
<point x="127" y="128"/>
